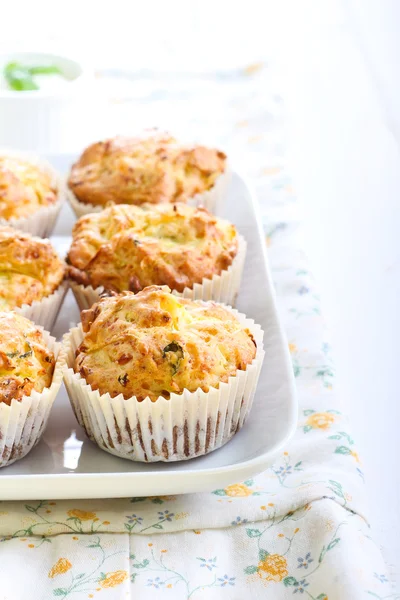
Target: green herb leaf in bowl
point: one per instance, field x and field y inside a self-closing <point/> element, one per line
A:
<point x="20" y="77"/>
<point x="44" y="70"/>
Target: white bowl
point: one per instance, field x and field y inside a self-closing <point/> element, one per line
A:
<point x="43" y="120"/>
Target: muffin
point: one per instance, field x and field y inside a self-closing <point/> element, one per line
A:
<point x="31" y="276"/>
<point x="30" y="377"/>
<point x="127" y="248"/>
<point x="156" y="377"/>
<point x="151" y="168"/>
<point x="30" y="193"/>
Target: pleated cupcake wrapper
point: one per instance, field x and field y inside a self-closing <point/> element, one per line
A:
<point x="213" y="200"/>
<point x="220" y="288"/>
<point x="41" y="222"/>
<point x="44" y="312"/>
<point x="23" y="422"/>
<point x="185" y="426"/>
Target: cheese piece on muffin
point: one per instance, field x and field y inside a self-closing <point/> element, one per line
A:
<point x="129" y="247"/>
<point x="151" y="168"/>
<point x="154" y="343"/>
<point x="26" y="364"/>
<point x="24" y="188"/>
<point x="30" y="268"/>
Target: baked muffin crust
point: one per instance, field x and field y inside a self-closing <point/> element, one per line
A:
<point x="154" y="343"/>
<point x="128" y="247"/>
<point x="26" y="364"/>
<point x="150" y="168"/>
<point x="30" y="268"/>
<point x="24" y="188"/>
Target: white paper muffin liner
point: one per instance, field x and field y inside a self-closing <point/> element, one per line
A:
<point x="213" y="200"/>
<point x="81" y="208"/>
<point x="23" y="422"/>
<point x="185" y="426"/>
<point x="220" y="288"/>
<point x="44" y="312"/>
<point x="42" y="222"/>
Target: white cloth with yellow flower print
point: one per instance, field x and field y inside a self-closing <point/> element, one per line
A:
<point x="298" y="529"/>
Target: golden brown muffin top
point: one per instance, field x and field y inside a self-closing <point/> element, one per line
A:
<point x="30" y="268"/>
<point x="151" y="168"/>
<point x="154" y="343"/>
<point x="24" y="188"/>
<point x="130" y="247"/>
<point x="26" y="363"/>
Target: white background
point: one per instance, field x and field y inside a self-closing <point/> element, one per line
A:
<point x="339" y="67"/>
<point x="342" y="95"/>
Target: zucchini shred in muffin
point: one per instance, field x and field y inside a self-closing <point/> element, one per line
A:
<point x="30" y="377"/>
<point x="151" y="168"/>
<point x="30" y="193"/>
<point x="169" y="378"/>
<point x="127" y="248"/>
<point x="31" y="276"/>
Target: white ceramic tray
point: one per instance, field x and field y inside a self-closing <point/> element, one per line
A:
<point x="65" y="464"/>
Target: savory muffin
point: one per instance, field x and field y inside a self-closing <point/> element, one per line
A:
<point x="26" y="364"/>
<point x="155" y="344"/>
<point x="30" y="268"/>
<point x="129" y="247"/>
<point x="25" y="187"/>
<point x="150" y="168"/>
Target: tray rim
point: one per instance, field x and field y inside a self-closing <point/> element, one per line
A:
<point x="226" y="474"/>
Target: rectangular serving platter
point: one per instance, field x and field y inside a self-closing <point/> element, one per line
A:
<point x="66" y="464"/>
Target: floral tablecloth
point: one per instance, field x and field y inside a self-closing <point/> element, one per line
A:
<point x="301" y="527"/>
